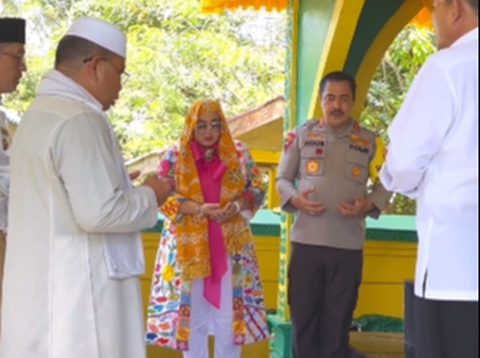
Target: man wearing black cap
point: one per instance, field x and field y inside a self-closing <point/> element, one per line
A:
<point x="12" y="51"/>
<point x="12" y="66"/>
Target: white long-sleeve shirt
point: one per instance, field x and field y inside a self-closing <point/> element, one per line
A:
<point x="433" y="157"/>
<point x="72" y="234"/>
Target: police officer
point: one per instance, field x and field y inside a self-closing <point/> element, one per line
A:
<point x="12" y="66"/>
<point x="335" y="164"/>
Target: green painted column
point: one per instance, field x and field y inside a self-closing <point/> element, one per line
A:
<point x="310" y="33"/>
<point x="314" y="19"/>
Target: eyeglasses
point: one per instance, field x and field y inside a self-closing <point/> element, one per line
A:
<point x="124" y="76"/>
<point x="215" y="127"/>
<point x="19" y="58"/>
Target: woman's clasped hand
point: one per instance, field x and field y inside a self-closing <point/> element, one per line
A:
<point x="218" y="213"/>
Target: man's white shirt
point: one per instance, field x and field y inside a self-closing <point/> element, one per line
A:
<point x="433" y="158"/>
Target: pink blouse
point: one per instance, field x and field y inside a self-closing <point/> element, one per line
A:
<point x="210" y="177"/>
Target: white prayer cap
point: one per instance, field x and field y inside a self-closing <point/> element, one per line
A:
<point x="101" y="33"/>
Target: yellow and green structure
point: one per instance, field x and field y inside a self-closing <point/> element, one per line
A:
<point x="324" y="36"/>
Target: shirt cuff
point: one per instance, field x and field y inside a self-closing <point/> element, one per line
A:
<point x="379" y="198"/>
<point x="285" y="201"/>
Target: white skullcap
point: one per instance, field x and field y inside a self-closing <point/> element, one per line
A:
<point x="101" y="33"/>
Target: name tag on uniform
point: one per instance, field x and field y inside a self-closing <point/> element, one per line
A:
<point x="358" y="148"/>
<point x="314" y="143"/>
<point x="314" y="140"/>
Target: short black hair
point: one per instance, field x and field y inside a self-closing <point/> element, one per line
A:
<point x="338" y="76"/>
<point x="73" y="50"/>
<point x="472" y="3"/>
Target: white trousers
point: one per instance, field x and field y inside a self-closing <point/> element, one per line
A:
<point x="206" y="320"/>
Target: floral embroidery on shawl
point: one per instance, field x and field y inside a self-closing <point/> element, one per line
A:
<point x="168" y="322"/>
<point x="193" y="250"/>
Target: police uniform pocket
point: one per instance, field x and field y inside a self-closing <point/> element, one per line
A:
<point x="356" y="166"/>
<point x="312" y="163"/>
<point x="356" y="172"/>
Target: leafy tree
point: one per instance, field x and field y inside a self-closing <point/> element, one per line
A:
<point x="390" y="85"/>
<point x="175" y="56"/>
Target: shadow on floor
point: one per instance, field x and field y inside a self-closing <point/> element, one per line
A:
<point x="364" y="345"/>
<point x="376" y="345"/>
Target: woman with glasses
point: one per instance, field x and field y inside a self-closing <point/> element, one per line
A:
<point x="206" y="279"/>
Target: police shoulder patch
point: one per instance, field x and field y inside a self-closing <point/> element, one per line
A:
<point x="289" y="139"/>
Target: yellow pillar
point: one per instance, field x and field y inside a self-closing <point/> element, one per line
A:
<point x="283" y="312"/>
<point x="273" y="197"/>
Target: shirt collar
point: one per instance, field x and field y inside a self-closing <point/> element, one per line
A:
<point x="199" y="152"/>
<point x="472" y="35"/>
<point x="340" y="133"/>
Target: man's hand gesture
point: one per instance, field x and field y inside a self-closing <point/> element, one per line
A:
<point x="134" y="175"/>
<point x="162" y="188"/>
<point x="359" y="208"/>
<point x="303" y="203"/>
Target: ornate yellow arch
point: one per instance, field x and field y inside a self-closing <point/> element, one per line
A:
<point x="411" y="9"/>
<point x="337" y="44"/>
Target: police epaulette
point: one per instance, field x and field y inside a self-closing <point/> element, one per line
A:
<point x="310" y="122"/>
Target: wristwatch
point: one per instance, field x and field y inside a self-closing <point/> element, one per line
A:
<point x="199" y="210"/>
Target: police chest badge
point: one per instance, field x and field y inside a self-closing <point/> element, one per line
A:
<point x="314" y="140"/>
<point x="356" y="171"/>
<point x="359" y="144"/>
<point x="312" y="166"/>
<point x="314" y="137"/>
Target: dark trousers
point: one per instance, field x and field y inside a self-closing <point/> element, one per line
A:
<point x="446" y="329"/>
<point x="323" y="287"/>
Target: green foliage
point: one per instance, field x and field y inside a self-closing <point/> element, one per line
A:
<point x="175" y="56"/>
<point x="389" y="87"/>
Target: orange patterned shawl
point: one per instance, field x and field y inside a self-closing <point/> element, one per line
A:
<point x="192" y="230"/>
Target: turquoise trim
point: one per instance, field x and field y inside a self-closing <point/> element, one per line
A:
<point x="281" y="337"/>
<point x="379" y="323"/>
<point x="394" y="228"/>
<point x="280" y="343"/>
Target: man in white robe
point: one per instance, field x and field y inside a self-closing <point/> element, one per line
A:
<point x="433" y="158"/>
<point x="12" y="66"/>
<point x="71" y="287"/>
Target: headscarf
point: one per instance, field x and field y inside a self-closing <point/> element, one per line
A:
<point x="192" y="230"/>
